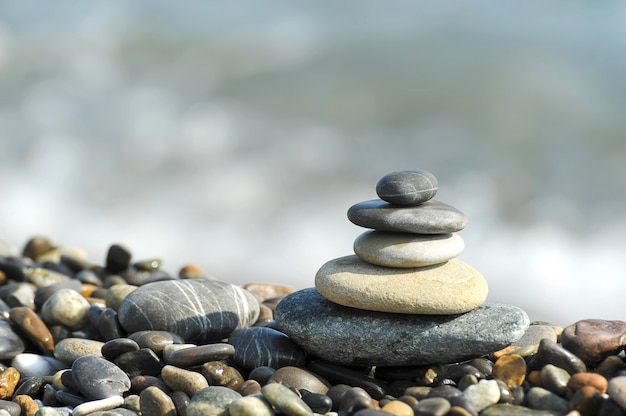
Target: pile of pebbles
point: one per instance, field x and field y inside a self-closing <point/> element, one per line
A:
<point x="127" y="338"/>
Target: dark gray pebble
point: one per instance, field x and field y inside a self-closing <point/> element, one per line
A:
<point x="432" y="406"/>
<point x="355" y="399"/>
<point x="10" y="343"/>
<point x="98" y="378"/>
<point x="549" y="352"/>
<point x="319" y="403"/>
<point x="198" y="310"/>
<point x="118" y="258"/>
<point x="262" y="374"/>
<point x="116" y="347"/>
<point x="261" y="346"/>
<point x="143" y="361"/>
<point x="189" y="357"/>
<point x="337" y="374"/>
<point x="407" y="187"/>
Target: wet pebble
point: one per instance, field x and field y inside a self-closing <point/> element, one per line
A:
<point x="218" y="373"/>
<point x="355" y="399"/>
<point x="319" y="403"/>
<point x="143" y="361"/>
<point x="511" y="369"/>
<point x="554" y="379"/>
<point x="116" y="347"/>
<point x="34" y="328"/>
<point x="549" y="352"/>
<point x="262" y="346"/>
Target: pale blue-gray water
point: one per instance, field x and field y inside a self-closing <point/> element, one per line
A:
<point x="235" y="136"/>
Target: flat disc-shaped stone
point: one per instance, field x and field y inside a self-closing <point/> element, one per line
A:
<point x="448" y="288"/>
<point x="197" y="310"/>
<point x="406" y="249"/>
<point x="431" y="217"/>
<point x="351" y="336"/>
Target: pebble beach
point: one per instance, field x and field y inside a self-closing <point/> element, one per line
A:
<point x="400" y="327"/>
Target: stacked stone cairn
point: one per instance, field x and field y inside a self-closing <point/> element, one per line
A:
<point x="403" y="298"/>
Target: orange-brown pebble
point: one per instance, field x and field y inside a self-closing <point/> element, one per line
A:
<point x="34" y="328"/>
<point x="8" y="381"/>
<point x="398" y="408"/>
<point x="579" y="380"/>
<point x="189" y="271"/>
<point x="27" y="404"/>
<point x="87" y="289"/>
<point x="265" y="291"/>
<point x="458" y="411"/>
<point x="504" y="351"/>
<point x="534" y="378"/>
<point x="3" y="278"/>
<point x="511" y="369"/>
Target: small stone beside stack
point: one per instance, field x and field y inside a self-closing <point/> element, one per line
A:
<point x="404" y="298"/>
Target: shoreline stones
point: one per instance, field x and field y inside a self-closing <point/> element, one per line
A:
<point x="427" y="305"/>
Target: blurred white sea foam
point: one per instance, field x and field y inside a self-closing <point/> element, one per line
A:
<point x="237" y="138"/>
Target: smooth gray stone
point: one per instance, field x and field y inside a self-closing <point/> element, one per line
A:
<point x="542" y="399"/>
<point x="98" y="378"/>
<point x="262" y="346"/>
<point x="352" y="336"/>
<point x="407" y="187"/>
<point x="212" y="401"/>
<point x="10" y="343"/>
<point x="198" y="310"/>
<point x="431" y="217"/>
<point x="10" y="407"/>
<point x="550" y="352"/>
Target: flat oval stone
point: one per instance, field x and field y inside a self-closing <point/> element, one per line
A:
<point x="69" y="349"/>
<point x="299" y="378"/>
<point x="116" y="347"/>
<point x="407" y="250"/>
<point x="10" y="343"/>
<point x="98" y="378"/>
<point x="212" y="401"/>
<point x="352" y="336"/>
<point x="431" y="217"/>
<point x="592" y="340"/>
<point x="197" y="355"/>
<point x="179" y="379"/>
<point x="198" y="310"/>
<point x="450" y="288"/>
<point x="261" y="346"/>
<point x="407" y="187"/>
<point x="155" y="340"/>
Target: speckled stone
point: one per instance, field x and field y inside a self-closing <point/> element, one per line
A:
<point x="212" y="401"/>
<point x="8" y="382"/>
<point x="69" y="349"/>
<point x="351" y="336"/>
<point x="262" y="346"/>
<point x="198" y="310"/>
<point x="407" y="187"/>
<point x="407" y="250"/>
<point x="431" y="217"/>
<point x="68" y="308"/>
<point x="10" y="343"/>
<point x="98" y="378"/>
<point x="592" y="340"/>
<point x="449" y="288"/>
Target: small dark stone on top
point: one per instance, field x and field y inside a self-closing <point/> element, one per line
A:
<point x="118" y="258"/>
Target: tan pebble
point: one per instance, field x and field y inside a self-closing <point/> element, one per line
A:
<point x="34" y="328"/>
<point x="265" y="291"/>
<point x="9" y="379"/>
<point x="97" y="302"/>
<point x="511" y="369"/>
<point x="398" y="408"/>
<point x="28" y="405"/>
<point x="534" y="378"/>
<point x="116" y="294"/>
<point x="458" y="411"/>
<point x="579" y="380"/>
<point x="87" y="289"/>
<point x="36" y="246"/>
<point x="183" y="380"/>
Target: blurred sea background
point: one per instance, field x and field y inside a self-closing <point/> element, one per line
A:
<point x="235" y="136"/>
